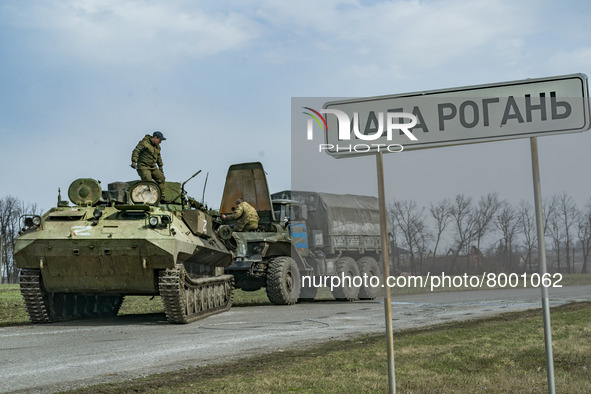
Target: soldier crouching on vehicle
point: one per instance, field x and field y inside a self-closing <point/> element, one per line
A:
<point x="146" y="156"/>
<point x="248" y="218"/>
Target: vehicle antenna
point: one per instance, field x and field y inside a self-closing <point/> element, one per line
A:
<point x="204" y="185"/>
<point x="183" y="194"/>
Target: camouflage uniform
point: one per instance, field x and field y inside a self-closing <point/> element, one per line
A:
<point x="147" y="155"/>
<point x="248" y="218"/>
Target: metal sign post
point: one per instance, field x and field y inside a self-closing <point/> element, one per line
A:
<point x="386" y="271"/>
<point x="542" y="262"/>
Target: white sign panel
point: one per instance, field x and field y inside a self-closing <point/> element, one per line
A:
<point x="472" y="114"/>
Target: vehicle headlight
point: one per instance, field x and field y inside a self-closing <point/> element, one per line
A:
<point x="153" y="221"/>
<point x="145" y="192"/>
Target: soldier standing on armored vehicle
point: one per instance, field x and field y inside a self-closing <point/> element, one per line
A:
<point x="248" y="218"/>
<point x="146" y="156"/>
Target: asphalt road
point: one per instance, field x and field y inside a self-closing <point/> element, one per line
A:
<point x="60" y="356"/>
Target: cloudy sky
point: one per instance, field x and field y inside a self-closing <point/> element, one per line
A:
<point x="82" y="81"/>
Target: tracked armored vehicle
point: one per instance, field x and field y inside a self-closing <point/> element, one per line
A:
<point x="133" y="239"/>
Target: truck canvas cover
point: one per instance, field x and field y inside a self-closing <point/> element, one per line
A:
<point x="347" y="221"/>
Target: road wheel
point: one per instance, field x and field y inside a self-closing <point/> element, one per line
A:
<point x="370" y="267"/>
<point x="346" y="267"/>
<point x="283" y="281"/>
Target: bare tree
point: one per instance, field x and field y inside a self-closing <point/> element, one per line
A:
<point x="528" y="229"/>
<point x="441" y="213"/>
<point x="395" y="258"/>
<point x="424" y="239"/>
<point x="9" y="214"/>
<point x="507" y="221"/>
<point x="410" y="221"/>
<point x="484" y="215"/>
<point x="548" y="207"/>
<point x="3" y="218"/>
<point x="11" y="210"/>
<point x="554" y="227"/>
<point x="584" y="234"/>
<point x="567" y="211"/>
<point x="7" y="208"/>
<point x="462" y="217"/>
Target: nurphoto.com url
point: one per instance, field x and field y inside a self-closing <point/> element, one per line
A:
<point x="433" y="282"/>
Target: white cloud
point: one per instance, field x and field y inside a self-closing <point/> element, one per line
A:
<point x="438" y="30"/>
<point x="134" y="32"/>
<point x="392" y="43"/>
<point x="419" y="34"/>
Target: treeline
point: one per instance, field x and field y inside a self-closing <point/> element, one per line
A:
<point x="489" y="235"/>
<point x="456" y="235"/>
<point x="11" y="210"/>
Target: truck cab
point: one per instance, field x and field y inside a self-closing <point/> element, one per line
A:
<point x="292" y="214"/>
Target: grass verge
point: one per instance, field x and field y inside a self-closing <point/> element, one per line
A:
<point x="499" y="354"/>
<point x="12" y="308"/>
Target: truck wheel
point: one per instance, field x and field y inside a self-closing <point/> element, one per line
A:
<point x="283" y="281"/>
<point x="370" y="267"/>
<point x="346" y="267"/>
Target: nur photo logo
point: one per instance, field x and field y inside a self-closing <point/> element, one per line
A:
<point x="349" y="130"/>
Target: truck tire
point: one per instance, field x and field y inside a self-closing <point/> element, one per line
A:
<point x="346" y="266"/>
<point x="283" y="281"/>
<point x="370" y="267"/>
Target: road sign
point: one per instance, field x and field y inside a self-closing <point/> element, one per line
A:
<point x="471" y="114"/>
<point x="464" y="115"/>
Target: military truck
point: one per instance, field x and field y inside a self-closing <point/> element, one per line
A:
<point x="301" y="233"/>
<point x="80" y="260"/>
